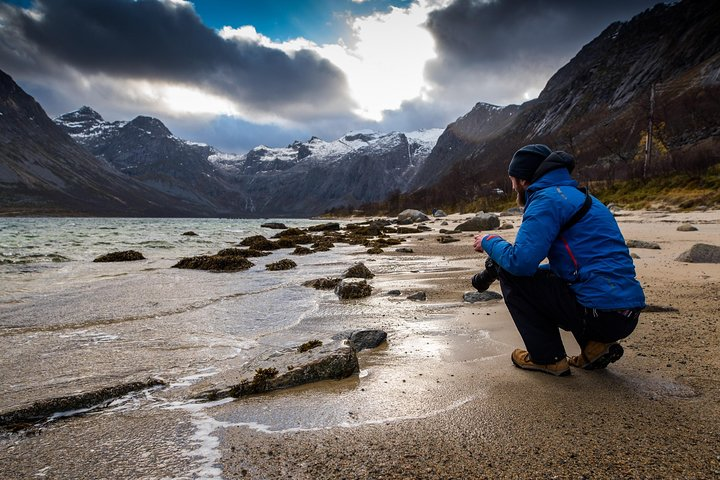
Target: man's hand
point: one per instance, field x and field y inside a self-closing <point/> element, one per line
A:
<point x="478" y="242"/>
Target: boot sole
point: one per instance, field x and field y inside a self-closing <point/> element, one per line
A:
<point x="615" y="351"/>
<point x="564" y="373"/>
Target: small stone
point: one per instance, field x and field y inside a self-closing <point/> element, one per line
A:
<point x="190" y="234"/>
<point x="472" y="297"/>
<point x="686" y="227"/>
<point x="642" y="244"/>
<point x="124" y="256"/>
<point x="419" y="296"/>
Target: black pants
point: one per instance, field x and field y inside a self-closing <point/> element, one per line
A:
<point x="541" y="304"/>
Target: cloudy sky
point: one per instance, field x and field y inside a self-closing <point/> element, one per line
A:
<point x="236" y="74"/>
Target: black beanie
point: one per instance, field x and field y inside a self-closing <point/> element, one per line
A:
<point x="527" y="160"/>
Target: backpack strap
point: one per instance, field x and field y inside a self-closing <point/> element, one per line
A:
<point x="577" y="216"/>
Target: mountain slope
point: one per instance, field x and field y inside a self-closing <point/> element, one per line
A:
<point x="597" y="107"/>
<point x="42" y="170"/>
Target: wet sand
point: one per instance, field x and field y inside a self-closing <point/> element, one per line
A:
<point x="441" y="399"/>
<point x="653" y="414"/>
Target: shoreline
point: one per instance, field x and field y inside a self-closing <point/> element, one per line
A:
<point x="652" y="414"/>
<point x="441" y="398"/>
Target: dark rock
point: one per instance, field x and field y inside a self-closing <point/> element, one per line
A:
<point x="642" y="244"/>
<point x="444" y="223"/>
<point x="686" y="227"/>
<point x="325" y="227"/>
<point x="284" y="264"/>
<point x="258" y="242"/>
<point x="215" y="263"/>
<point x="190" y="234"/>
<point x="351" y="289"/>
<point x="323" y="283"/>
<point x="322" y="245"/>
<point x="447" y="239"/>
<point x="439" y="214"/>
<point x="241" y="252"/>
<point x="285" y="369"/>
<point x="485" y="296"/>
<point x="359" y="270"/>
<point x="411" y="216"/>
<point x="375" y="250"/>
<point x="406" y="230"/>
<point x="43" y="409"/>
<point x="418" y="296"/>
<point x="366" y="339"/>
<point x="302" y="251"/>
<point x="274" y="225"/>
<point x="394" y="293"/>
<point x="480" y="222"/>
<point x="125" y="256"/>
<point x="404" y="250"/>
<point x="701" y="253"/>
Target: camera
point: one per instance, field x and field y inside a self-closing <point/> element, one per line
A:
<point x="482" y="281"/>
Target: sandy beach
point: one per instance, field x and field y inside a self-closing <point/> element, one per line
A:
<point x="441" y="400"/>
<point x="653" y="414"/>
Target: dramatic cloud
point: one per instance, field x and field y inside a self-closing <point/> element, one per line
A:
<point x="417" y="64"/>
<point x="505" y="50"/>
<point x="165" y="45"/>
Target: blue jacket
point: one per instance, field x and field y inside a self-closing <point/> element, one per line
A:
<point x="591" y="255"/>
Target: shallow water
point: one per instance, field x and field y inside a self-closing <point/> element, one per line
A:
<point x="72" y="325"/>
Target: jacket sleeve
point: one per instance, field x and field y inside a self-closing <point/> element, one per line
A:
<point x="540" y="227"/>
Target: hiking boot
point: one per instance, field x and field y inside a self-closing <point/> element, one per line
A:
<point x="521" y="359"/>
<point x="597" y="355"/>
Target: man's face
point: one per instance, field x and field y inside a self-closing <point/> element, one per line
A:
<point x="519" y="186"/>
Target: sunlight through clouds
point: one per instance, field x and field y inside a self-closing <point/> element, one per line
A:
<point x="385" y="64"/>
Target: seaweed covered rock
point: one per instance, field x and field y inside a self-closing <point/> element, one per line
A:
<point x="215" y="263"/>
<point x="359" y="270"/>
<point x="258" y="242"/>
<point x="242" y="252"/>
<point x="300" y="250"/>
<point x="284" y="264"/>
<point x="323" y="283"/>
<point x="124" y="256"/>
<point x="190" y="234"/>
<point x="325" y="227"/>
<point x="352" y="288"/>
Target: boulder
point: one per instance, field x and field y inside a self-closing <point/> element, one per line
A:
<point x="352" y="288"/>
<point x="686" y="227"/>
<point x="439" y="214"/>
<point x="701" y="253"/>
<point x="299" y="250"/>
<point x="284" y="264"/>
<point x="642" y="244"/>
<point x="411" y="216"/>
<point x="404" y="250"/>
<point x="124" y="256"/>
<point x="190" y="234"/>
<point x="472" y="297"/>
<point x="284" y="369"/>
<point x="359" y="270"/>
<point x="274" y="225"/>
<point x="480" y="222"/>
<point x="418" y="296"/>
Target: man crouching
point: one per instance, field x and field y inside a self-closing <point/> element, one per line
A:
<point x="588" y="285"/>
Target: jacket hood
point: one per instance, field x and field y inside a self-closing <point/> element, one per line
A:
<point x="554" y="161"/>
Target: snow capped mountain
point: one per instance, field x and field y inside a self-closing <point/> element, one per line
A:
<point x="301" y="179"/>
<point x="264" y="159"/>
